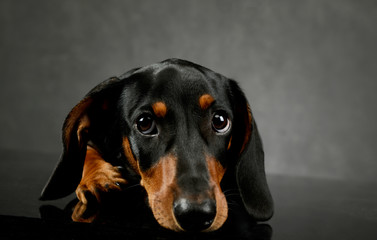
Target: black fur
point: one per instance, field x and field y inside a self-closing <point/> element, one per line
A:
<point x="114" y="105"/>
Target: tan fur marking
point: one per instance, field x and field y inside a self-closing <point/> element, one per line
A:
<point x="205" y="101"/>
<point x="83" y="127"/>
<point x="216" y="172"/>
<point x="159" y="109"/>
<point x="80" y="213"/>
<point x="230" y="143"/>
<point x="129" y="155"/>
<point x="159" y="182"/>
<point x="98" y="176"/>
<point x="74" y="116"/>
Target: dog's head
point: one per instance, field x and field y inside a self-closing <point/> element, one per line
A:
<point x="181" y="130"/>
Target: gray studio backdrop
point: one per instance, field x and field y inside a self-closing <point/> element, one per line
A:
<point x="308" y="67"/>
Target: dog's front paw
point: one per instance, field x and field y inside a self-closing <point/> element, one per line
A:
<point x="101" y="179"/>
<point x="85" y="212"/>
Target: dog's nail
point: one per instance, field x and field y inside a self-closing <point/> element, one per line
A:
<point x="119" y="168"/>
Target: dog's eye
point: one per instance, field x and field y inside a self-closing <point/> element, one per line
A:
<point x="220" y="122"/>
<point x="146" y="125"/>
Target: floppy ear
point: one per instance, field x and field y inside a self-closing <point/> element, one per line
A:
<point x="247" y="147"/>
<point x="86" y="120"/>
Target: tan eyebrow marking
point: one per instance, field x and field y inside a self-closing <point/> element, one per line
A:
<point x="205" y="101"/>
<point x="159" y="109"/>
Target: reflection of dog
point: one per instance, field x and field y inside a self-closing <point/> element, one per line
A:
<point x="176" y="128"/>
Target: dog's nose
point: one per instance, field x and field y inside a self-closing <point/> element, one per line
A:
<point x="194" y="215"/>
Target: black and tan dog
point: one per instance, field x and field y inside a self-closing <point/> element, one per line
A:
<point x="184" y="132"/>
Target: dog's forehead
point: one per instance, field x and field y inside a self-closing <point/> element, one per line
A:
<point x="177" y="84"/>
<point x="185" y="82"/>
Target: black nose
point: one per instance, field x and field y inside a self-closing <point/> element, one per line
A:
<point x="193" y="215"/>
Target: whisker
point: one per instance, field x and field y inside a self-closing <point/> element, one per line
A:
<point x="132" y="186"/>
<point x="233" y="204"/>
<point x="229" y="190"/>
<point x="232" y="194"/>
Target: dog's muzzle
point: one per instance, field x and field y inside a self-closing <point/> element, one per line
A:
<point x="194" y="215"/>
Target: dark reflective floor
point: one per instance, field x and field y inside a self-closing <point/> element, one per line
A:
<point x="304" y="209"/>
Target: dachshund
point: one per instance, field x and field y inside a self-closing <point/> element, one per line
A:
<point x="185" y="133"/>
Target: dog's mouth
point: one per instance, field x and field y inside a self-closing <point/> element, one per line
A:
<point x="178" y="210"/>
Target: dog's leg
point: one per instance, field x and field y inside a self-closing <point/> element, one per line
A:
<point x="98" y="176"/>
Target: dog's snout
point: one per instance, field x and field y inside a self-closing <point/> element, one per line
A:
<point x="194" y="215"/>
